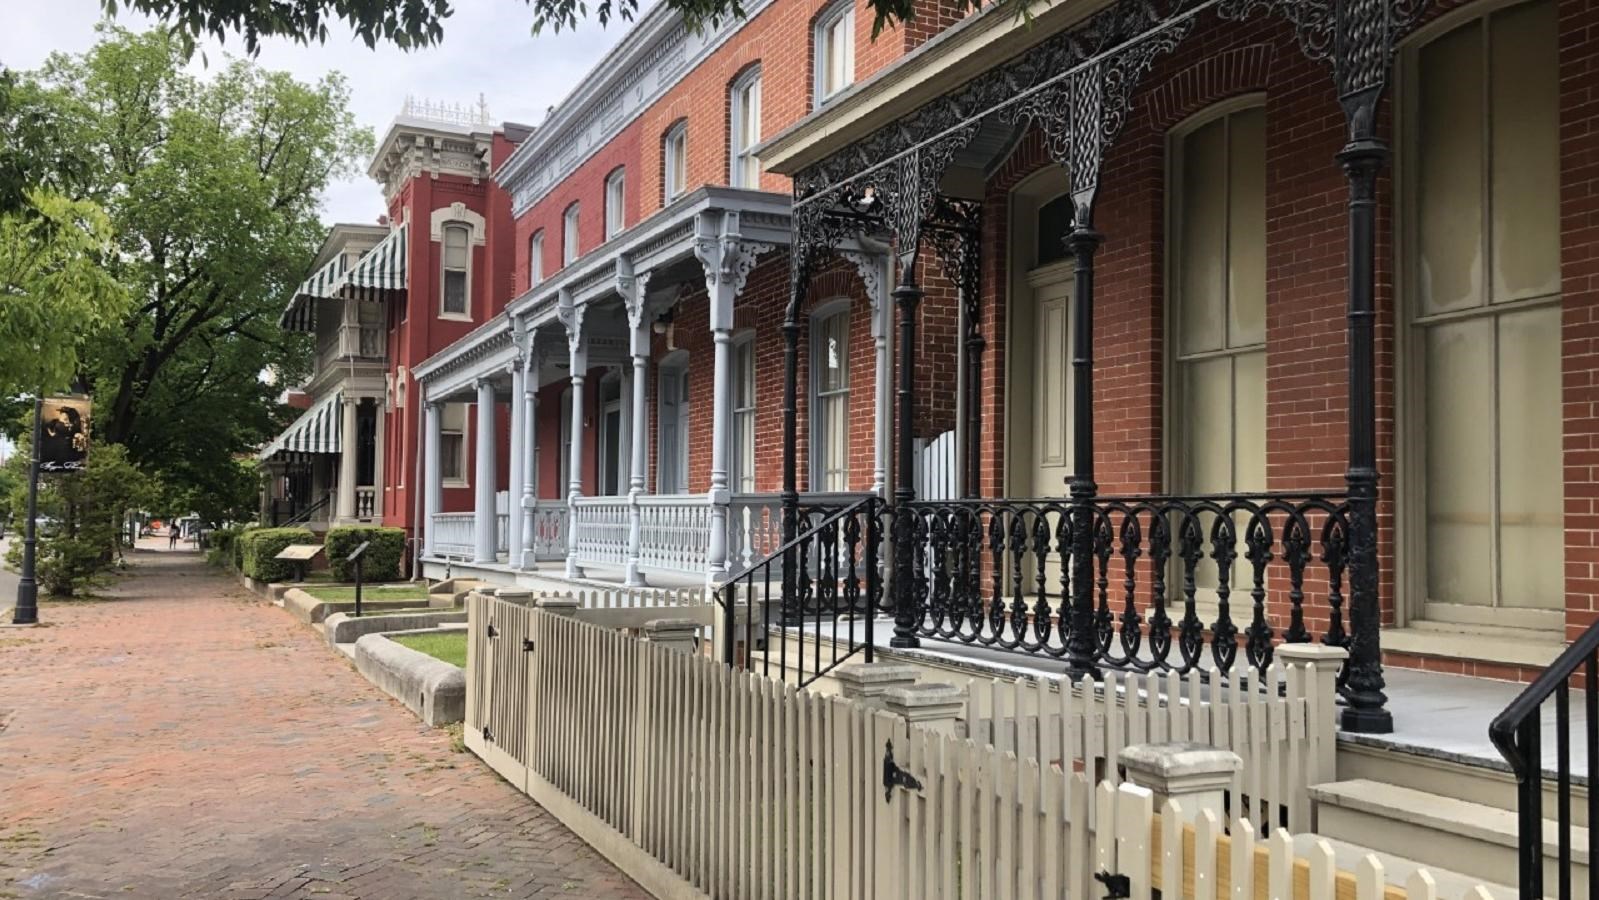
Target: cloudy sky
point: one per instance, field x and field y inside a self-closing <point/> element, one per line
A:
<point x="488" y="49"/>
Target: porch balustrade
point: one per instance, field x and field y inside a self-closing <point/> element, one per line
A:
<point x="366" y="502"/>
<point x="452" y="534"/>
<point x="601" y="525"/>
<point x="550" y="521"/>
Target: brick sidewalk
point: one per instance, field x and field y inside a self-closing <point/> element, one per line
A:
<point x="190" y="740"/>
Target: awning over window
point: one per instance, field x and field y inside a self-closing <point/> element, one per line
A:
<point x="381" y="270"/>
<point x="316" y="431"/>
<point x="300" y="314"/>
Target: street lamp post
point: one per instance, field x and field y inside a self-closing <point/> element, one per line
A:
<point x="27" y="609"/>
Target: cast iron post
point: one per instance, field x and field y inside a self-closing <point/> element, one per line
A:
<point x="1362" y="158"/>
<point x="907" y="296"/>
<point x="790" y="452"/>
<point x="27" y="611"/>
<point x="1082" y="644"/>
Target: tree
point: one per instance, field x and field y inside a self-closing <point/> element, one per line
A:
<point x="212" y="188"/>
<point x="33" y="153"/>
<point x="420" y="23"/>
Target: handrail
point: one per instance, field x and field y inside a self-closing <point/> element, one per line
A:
<point x="1517" y="732"/>
<point x="304" y="515"/>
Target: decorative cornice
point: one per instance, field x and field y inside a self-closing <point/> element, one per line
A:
<point x="411" y="149"/>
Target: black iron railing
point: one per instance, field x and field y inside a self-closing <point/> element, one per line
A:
<point x="1518" y="733"/>
<point x="826" y="617"/>
<point x="1173" y="580"/>
<point x="305" y="514"/>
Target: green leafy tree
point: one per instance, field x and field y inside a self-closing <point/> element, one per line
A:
<point x="33" y="151"/>
<point x="212" y="189"/>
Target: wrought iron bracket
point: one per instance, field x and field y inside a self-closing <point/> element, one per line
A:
<point x="1117" y="887"/>
<point x="894" y="776"/>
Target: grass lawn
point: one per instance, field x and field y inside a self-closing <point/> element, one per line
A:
<point x="346" y="594"/>
<point x="449" y="646"/>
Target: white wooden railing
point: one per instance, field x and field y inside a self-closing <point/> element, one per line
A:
<point x="601" y="525"/>
<point x="452" y="534"/>
<point x="675" y="532"/>
<point x="549" y="523"/>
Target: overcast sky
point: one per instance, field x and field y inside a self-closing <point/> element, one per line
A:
<point x="488" y="48"/>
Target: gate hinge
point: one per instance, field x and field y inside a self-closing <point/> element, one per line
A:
<point x="894" y="776"/>
<point x="492" y="631"/>
<point x="488" y="735"/>
<point x="1118" y="887"/>
<point x="527" y="645"/>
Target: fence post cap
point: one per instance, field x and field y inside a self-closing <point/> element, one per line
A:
<point x="1158" y="765"/>
<point x="669" y="626"/>
<point x="1311" y="653"/>
<point x="517" y="594"/>
<point x="879" y="675"/>
<point x="561" y="603"/>
<point x="926" y="694"/>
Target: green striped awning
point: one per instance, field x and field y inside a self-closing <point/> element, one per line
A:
<point x="315" y="431"/>
<point x="380" y="271"/>
<point x="324" y="283"/>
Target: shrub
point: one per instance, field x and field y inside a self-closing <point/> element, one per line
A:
<point x="381" y="561"/>
<point x="222" y="544"/>
<point x="259" y="546"/>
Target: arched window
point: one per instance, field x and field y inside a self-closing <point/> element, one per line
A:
<point x="615" y="202"/>
<point x="674" y="160"/>
<point x="457" y="268"/>
<point x="569" y="236"/>
<point x="1480" y="160"/>
<point x="744" y="167"/>
<point x="834" y="45"/>
<point x="830" y="397"/>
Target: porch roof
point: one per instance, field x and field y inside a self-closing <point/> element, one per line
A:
<point x="315" y="431"/>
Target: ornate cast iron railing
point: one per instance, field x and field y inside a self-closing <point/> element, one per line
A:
<point x="824" y="618"/>
<point x="1176" y="583"/>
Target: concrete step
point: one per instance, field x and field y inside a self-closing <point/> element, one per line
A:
<point x="1475" y="779"/>
<point x="1473" y="839"/>
<point x="1397" y="869"/>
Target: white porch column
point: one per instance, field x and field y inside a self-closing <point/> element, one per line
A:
<point x="727" y="259"/>
<point x="432" y="480"/>
<point x="514" y="521"/>
<point x="484" y="478"/>
<point x="347" y="451"/>
<point x="530" y="415"/>
<point x="571" y="316"/>
<point x="632" y="287"/>
<point x="873" y="269"/>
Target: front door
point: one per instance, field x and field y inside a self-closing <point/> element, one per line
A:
<point x="1040" y="382"/>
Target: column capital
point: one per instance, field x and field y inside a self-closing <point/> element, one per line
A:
<point x="727" y="259"/>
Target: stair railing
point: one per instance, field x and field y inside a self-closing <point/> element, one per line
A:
<point x="1518" y="734"/>
<point x="828" y="620"/>
<point x="304" y="515"/>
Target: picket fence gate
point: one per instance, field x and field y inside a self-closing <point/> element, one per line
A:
<point x="702" y="781"/>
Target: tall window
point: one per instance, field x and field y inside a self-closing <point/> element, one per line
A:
<point x="1219" y="305"/>
<point x="615" y="202"/>
<point x="1484" y="307"/>
<point x="452" y="443"/>
<point x="674" y="160"/>
<point x="535" y="258"/>
<point x="835" y="50"/>
<point x="569" y="235"/>
<point x="742" y="476"/>
<point x="830" y="390"/>
<point x="744" y="169"/>
<point x="457" y="269"/>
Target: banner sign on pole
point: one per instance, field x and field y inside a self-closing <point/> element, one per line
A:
<point x="64" y="444"/>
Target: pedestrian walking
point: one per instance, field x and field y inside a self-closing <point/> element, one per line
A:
<point x="172" y="536"/>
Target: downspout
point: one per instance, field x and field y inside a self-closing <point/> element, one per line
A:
<point x="416" y="497"/>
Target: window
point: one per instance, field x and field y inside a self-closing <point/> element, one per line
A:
<point x="535" y="258"/>
<point x="830" y="389"/>
<point x="452" y="443"/>
<point x="615" y="200"/>
<point x="457" y="268"/>
<point x="835" y="50"/>
<point x="610" y="437"/>
<point x="744" y="169"/>
<point x="569" y="235"/>
<point x="674" y="160"/>
<point x="671" y="414"/>
<point x="742" y="477"/>
<point x="1482" y="275"/>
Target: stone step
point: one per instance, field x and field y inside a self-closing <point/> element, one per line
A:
<point x="1396" y="869"/>
<point x="1446" y="833"/>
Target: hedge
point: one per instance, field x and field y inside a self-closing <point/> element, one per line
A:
<point x="381" y="562"/>
<point x="223" y="544"/>
<point x="258" y="546"/>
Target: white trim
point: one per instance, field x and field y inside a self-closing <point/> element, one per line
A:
<point x="672" y="184"/>
<point x="821" y="35"/>
<point x="465" y="315"/>
<point x="571" y="233"/>
<point x="828" y="309"/>
<point x="738" y="151"/>
<point x="535" y="258"/>
<point x="615" y="202"/>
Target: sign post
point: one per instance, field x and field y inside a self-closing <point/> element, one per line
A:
<point x="355" y="557"/>
<point x="27" y="609"/>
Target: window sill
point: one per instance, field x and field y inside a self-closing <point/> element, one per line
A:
<point x="455" y="317"/>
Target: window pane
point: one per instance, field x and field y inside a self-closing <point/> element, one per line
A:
<point x="1531" y="505"/>
<point x="1449" y="172"/>
<point x="1202" y="223"/>
<point x="744" y="375"/>
<point x="1525" y="151"/>
<point x="744" y="452"/>
<point x="1246" y="228"/>
<point x="450" y="456"/>
<point x="454" y="292"/>
<point x="1249" y="421"/>
<point x="833" y="361"/>
<point x="535" y="263"/>
<point x="1459" y="472"/>
<point x="1207" y="432"/>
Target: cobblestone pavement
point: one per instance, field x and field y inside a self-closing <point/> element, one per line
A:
<point x="187" y="739"/>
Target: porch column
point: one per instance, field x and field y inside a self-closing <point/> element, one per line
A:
<point x="529" y="500"/>
<point x="347" y="451"/>
<point x="907" y="296"/>
<point x="432" y="483"/>
<point x="514" y="522"/>
<point x="632" y="286"/>
<point x="872" y="268"/>
<point x="571" y="316"/>
<point x="484" y="478"/>
<point x="1082" y="648"/>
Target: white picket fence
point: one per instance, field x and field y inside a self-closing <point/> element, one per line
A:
<point x="699" y="780"/>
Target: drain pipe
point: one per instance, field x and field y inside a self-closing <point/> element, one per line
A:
<point x="416" y="495"/>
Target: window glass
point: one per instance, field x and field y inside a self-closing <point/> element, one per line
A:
<point x="535" y="259"/>
<point x="569" y="235"/>
<point x="835" y="52"/>
<point x="746" y="167"/>
<point x="742" y="477"/>
<point x="830" y="367"/>
<point x="457" y="257"/>
<point x="452" y="442"/>
<point x="615" y="200"/>
<point x="676" y="160"/>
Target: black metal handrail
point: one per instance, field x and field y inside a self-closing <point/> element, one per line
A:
<point x="837" y="580"/>
<point x="1517" y="732"/>
<point x="305" y="515"/>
